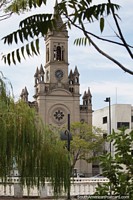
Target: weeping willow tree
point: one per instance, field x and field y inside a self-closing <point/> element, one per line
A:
<point x="26" y="144"/>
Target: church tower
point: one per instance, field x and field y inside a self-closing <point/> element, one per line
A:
<point x="57" y="93"/>
<point x="86" y="108"/>
<point x="57" y="89"/>
<point x="56" y="42"/>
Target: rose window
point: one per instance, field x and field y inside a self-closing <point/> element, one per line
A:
<point x="59" y="115"/>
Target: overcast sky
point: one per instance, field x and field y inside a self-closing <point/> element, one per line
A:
<point x="103" y="77"/>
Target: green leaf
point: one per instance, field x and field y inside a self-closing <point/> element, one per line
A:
<point x="85" y="42"/>
<point x="25" y="33"/>
<point x="8" y="59"/>
<point x="28" y="50"/>
<point x="20" y="35"/>
<point x="81" y="41"/>
<point x="39" y="2"/>
<point x="13" y="58"/>
<point x="33" y="48"/>
<point x="30" y="3"/>
<point x="4" y="58"/>
<point x="18" y="55"/>
<point x="22" y="51"/>
<point x="15" y="37"/>
<point x="10" y="38"/>
<point x="37" y="45"/>
<point x="101" y="24"/>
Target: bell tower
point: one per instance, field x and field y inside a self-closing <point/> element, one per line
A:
<point x="56" y="42"/>
<point x="57" y="92"/>
<point x="57" y="89"/>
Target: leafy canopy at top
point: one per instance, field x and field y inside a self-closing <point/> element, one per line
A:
<point x="75" y="13"/>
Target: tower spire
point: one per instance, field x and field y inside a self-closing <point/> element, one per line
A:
<point x="76" y="71"/>
<point x="57" y="17"/>
<point x="24" y="94"/>
<point x="56" y="3"/>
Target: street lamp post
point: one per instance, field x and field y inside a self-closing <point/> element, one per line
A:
<point x="66" y="135"/>
<point x="108" y="99"/>
<point x="69" y="137"/>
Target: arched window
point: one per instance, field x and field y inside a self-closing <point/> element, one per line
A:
<point x="86" y="102"/>
<point x="47" y="54"/>
<point x="62" y="55"/>
<point x="71" y="82"/>
<point x="58" y="53"/>
<point x="71" y="90"/>
<point x="76" y="80"/>
<point x="54" y="54"/>
<point x="41" y="78"/>
<point x="36" y="81"/>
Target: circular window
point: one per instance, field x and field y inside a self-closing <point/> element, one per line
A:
<point x="58" y="115"/>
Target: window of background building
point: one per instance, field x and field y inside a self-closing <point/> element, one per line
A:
<point x="131" y="118"/>
<point x="104" y="120"/>
<point x="123" y="124"/>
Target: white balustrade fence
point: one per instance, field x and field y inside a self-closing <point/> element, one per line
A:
<point x="79" y="187"/>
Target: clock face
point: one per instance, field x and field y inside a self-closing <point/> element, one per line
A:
<point x="59" y="74"/>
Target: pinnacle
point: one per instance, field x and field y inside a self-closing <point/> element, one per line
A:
<point x="70" y="74"/>
<point x="26" y="91"/>
<point x="41" y="70"/>
<point x="37" y="72"/>
<point x="89" y="93"/>
<point x="76" y="71"/>
<point x="84" y="96"/>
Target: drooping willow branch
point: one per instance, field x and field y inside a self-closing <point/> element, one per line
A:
<point x="28" y="146"/>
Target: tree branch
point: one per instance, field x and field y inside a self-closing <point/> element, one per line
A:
<point x="76" y="158"/>
<point x="98" y="49"/>
<point x="107" y="56"/>
<point x="105" y="40"/>
<point x="120" y="32"/>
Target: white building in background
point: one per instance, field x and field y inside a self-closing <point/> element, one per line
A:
<point x="120" y="115"/>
